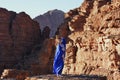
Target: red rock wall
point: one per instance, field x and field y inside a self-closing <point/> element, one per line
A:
<point x="92" y="33"/>
<point x="92" y="47"/>
<point x="18" y="34"/>
<point x="41" y="61"/>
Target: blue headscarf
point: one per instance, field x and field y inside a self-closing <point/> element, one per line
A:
<point x="58" y="59"/>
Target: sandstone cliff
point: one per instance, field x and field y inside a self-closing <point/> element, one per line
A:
<point x="94" y="39"/>
<point x="23" y="46"/>
<point x="18" y="35"/>
<point x="92" y="32"/>
<point x="52" y="19"/>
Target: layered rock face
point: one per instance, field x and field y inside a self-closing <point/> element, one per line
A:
<point x="41" y="59"/>
<point x="52" y="19"/>
<point x="94" y="38"/>
<point x="18" y="34"/>
<point x="92" y="32"/>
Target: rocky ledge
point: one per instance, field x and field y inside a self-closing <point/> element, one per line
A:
<point x="67" y="77"/>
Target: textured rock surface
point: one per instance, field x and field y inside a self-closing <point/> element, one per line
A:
<point x="52" y="19"/>
<point x="41" y="61"/>
<point x="94" y="40"/>
<point x="13" y="74"/>
<point x="116" y="1"/>
<point x="18" y="34"/>
<point x="66" y="77"/>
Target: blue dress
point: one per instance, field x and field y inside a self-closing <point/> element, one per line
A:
<point x="58" y="59"/>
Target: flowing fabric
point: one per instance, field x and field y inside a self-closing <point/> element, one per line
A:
<point x="58" y="59"/>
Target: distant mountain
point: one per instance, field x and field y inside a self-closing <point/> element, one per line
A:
<point x="52" y="19"/>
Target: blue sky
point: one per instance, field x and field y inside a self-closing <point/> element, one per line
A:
<point x="37" y="7"/>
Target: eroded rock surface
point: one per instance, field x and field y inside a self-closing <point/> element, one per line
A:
<point x="13" y="74"/>
<point x="92" y="32"/>
<point x="93" y="40"/>
<point x="67" y="77"/>
<point x="18" y="34"/>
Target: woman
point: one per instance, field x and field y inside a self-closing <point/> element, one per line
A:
<point x="59" y="57"/>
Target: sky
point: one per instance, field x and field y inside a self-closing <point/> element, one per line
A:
<point x="39" y="7"/>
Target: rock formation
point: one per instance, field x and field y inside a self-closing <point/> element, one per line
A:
<point x="92" y="32"/>
<point x="52" y="19"/>
<point x="18" y="34"/>
<point x="66" y="77"/>
<point x="13" y="74"/>
<point x="93" y="39"/>
<point x="41" y="59"/>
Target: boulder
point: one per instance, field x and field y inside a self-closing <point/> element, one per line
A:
<point x="14" y="74"/>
